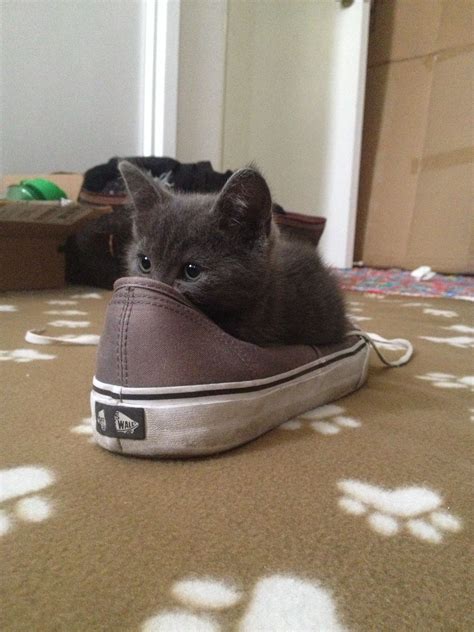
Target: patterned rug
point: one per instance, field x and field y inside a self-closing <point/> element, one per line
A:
<point x="355" y="516"/>
<point x="401" y="282"/>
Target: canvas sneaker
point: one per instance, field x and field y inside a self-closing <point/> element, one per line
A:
<point x="170" y="382"/>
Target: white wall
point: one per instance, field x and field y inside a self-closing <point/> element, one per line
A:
<point x="71" y="79"/>
<point x="202" y="44"/>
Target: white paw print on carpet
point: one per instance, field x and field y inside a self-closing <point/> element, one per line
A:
<point x="460" y="342"/>
<point x="446" y="313"/>
<point x="448" y="380"/>
<point x="375" y="296"/>
<point x="327" y="420"/>
<point x="278" y="603"/>
<point x="71" y="324"/>
<point x="24" y="355"/>
<point x="18" y="482"/>
<point x="358" y="317"/>
<point x="415" y="304"/>
<point x="87" y="295"/>
<point x="84" y="428"/>
<point x="463" y="329"/>
<point x="355" y="311"/>
<point x="416" y="509"/>
<point x="65" y="312"/>
<point x="8" y="308"/>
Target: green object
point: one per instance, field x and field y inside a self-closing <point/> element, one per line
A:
<point x="35" y="189"/>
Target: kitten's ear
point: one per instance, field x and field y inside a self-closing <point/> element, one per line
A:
<point x="145" y="194"/>
<point x="244" y="205"/>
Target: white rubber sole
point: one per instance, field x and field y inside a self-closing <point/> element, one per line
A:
<point x="205" y="419"/>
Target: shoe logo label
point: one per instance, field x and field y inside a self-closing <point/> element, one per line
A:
<point x="101" y="420"/>
<point x="124" y="423"/>
<point x="120" y="422"/>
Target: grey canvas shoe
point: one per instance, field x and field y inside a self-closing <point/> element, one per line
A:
<point x="170" y="382"/>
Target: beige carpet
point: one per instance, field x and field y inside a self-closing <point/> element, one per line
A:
<point x="356" y="517"/>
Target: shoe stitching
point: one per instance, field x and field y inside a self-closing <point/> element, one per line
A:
<point x="118" y="344"/>
<point x="120" y="349"/>
<point x="125" y="340"/>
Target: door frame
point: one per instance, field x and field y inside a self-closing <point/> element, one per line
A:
<point x="160" y="72"/>
<point x="352" y="39"/>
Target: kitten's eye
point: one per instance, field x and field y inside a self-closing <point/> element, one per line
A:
<point x="191" y="271"/>
<point x="144" y="263"/>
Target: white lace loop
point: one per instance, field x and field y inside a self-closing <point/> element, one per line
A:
<point x="377" y="341"/>
<point x="37" y="337"/>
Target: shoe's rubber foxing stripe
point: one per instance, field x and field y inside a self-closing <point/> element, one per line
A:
<point x="182" y="394"/>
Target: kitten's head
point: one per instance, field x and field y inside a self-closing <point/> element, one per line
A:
<point x="214" y="249"/>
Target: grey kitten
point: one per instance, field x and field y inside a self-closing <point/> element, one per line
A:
<point x="224" y="253"/>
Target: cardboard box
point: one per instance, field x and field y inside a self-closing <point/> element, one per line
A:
<point x="417" y="177"/>
<point x="33" y="234"/>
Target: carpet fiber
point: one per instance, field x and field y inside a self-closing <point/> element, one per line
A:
<point x="400" y="282"/>
<point x="356" y="516"/>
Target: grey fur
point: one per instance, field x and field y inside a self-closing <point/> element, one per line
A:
<point x="256" y="285"/>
